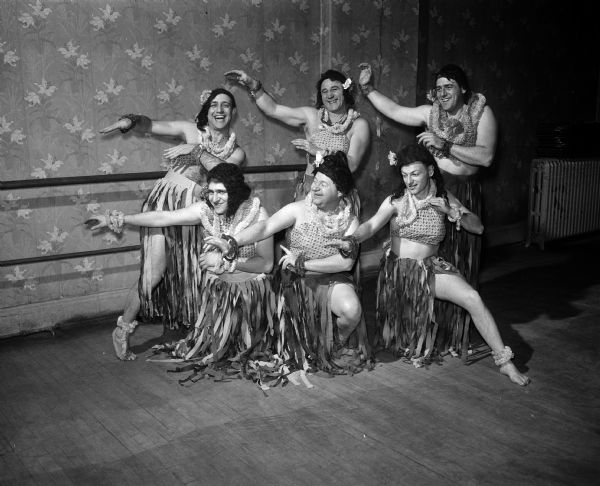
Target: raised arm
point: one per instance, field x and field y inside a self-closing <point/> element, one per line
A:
<point x="411" y="116"/>
<point x="290" y="116"/>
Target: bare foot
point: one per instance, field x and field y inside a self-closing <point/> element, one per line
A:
<point x="510" y="370"/>
<point x="120" y="339"/>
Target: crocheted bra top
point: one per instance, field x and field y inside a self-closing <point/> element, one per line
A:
<point x="428" y="228"/>
<point x="309" y="238"/>
<point x="332" y="141"/>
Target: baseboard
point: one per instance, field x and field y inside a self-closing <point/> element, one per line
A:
<point x="46" y="316"/>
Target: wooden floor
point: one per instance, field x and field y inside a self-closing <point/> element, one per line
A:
<point x="71" y="414"/>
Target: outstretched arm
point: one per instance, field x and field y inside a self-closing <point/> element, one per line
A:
<point x="154" y="219"/>
<point x="290" y="116"/>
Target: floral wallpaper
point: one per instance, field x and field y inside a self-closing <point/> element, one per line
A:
<point x="71" y="68"/>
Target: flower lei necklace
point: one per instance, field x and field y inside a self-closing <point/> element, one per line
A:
<point x="331" y="222"/>
<point x="213" y="148"/>
<point x="245" y="214"/>
<point x="340" y="126"/>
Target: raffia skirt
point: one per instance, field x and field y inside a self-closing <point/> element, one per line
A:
<point x="463" y="250"/>
<point x="407" y="323"/>
<point x="236" y="317"/>
<point x="176" y="298"/>
<point x="307" y="333"/>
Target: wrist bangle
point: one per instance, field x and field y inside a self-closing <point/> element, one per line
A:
<point x="300" y="266"/>
<point x="255" y="90"/>
<point x="141" y="123"/>
<point x="445" y="151"/>
<point x="366" y="89"/>
<point x="197" y="151"/>
<point x="354" y="245"/>
<point x="232" y="254"/>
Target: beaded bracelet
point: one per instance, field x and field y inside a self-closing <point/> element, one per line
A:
<point x="114" y="220"/>
<point x="232" y="254"/>
<point x="300" y="266"/>
<point x="353" y="251"/>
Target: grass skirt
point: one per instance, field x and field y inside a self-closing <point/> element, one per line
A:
<point x="235" y="319"/>
<point x="307" y="333"/>
<point x="405" y="298"/>
<point x="463" y="250"/>
<point x="176" y="298"/>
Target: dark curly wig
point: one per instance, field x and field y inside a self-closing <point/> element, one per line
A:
<point x="412" y="153"/>
<point x="232" y="177"/>
<point x="202" y="116"/>
<point x="334" y="75"/>
<point x="335" y="166"/>
<point x="456" y="73"/>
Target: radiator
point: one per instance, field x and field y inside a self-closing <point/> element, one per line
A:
<point x="564" y="199"/>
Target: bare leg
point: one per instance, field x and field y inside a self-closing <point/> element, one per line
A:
<point x="454" y="289"/>
<point x="345" y="304"/>
<point x="127" y="323"/>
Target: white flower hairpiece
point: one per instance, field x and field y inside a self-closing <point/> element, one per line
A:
<point x="204" y="96"/>
<point x="430" y="95"/>
<point x="347" y="83"/>
<point x="318" y="158"/>
<point x="393" y="158"/>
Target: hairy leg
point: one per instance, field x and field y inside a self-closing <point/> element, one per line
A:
<point x="456" y="290"/>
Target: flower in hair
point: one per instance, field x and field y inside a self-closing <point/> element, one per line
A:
<point x="430" y="95"/>
<point x="393" y="158"/>
<point x="204" y="96"/>
<point x="347" y="83"/>
<point x="318" y="158"/>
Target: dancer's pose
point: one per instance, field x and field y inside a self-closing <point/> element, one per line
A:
<point x="461" y="133"/>
<point x="168" y="283"/>
<point x="319" y="306"/>
<point x="334" y="125"/>
<point x="235" y="302"/>
<point x="411" y="274"/>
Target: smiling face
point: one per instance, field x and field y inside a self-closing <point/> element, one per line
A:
<point x="218" y="197"/>
<point x="416" y="177"/>
<point x="220" y="112"/>
<point x="449" y="94"/>
<point x="332" y="94"/>
<point x="325" y="194"/>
